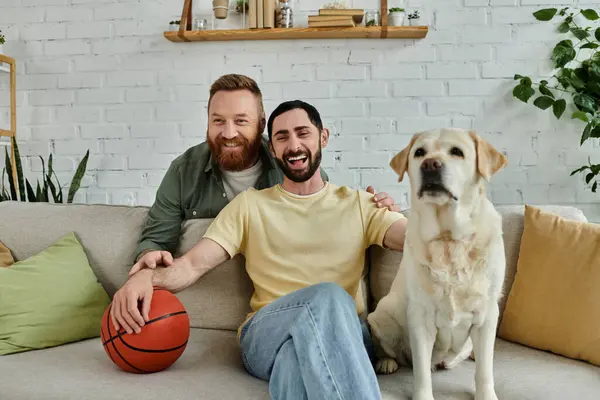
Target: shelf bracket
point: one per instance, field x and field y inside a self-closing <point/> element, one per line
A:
<point x="186" y="20"/>
<point x="384" y="19"/>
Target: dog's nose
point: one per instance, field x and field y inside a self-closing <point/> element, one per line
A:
<point x="431" y="165"/>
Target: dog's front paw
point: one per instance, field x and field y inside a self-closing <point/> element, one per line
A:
<point x="423" y="395"/>
<point x="486" y="394"/>
<point x="386" y="366"/>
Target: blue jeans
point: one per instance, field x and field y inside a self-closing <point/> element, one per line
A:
<point x="310" y="344"/>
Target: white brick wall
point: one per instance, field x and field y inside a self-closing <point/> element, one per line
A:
<point x="98" y="75"/>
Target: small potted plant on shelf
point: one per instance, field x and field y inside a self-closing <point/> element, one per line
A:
<point x="220" y="8"/>
<point x="2" y="40"/>
<point x="174" y="25"/>
<point x="396" y="16"/>
<point x="414" y="18"/>
<point x="242" y="6"/>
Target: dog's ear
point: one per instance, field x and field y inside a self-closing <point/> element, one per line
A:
<point x="489" y="160"/>
<point x="399" y="162"/>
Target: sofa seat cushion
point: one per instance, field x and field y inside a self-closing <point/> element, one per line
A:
<point x="521" y="373"/>
<point x="211" y="369"/>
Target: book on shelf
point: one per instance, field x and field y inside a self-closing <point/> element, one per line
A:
<point x="340" y="21"/>
<point x="341" y="11"/>
<point x="268" y="13"/>
<point x="260" y="13"/>
<point x="252" y="14"/>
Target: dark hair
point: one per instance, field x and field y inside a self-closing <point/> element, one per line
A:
<point x="313" y="114"/>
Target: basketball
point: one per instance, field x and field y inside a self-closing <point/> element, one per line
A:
<point x="160" y="342"/>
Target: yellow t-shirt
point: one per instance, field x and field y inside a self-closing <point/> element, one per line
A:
<point x="292" y="241"/>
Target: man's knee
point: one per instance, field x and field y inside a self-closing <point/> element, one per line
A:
<point x="331" y="293"/>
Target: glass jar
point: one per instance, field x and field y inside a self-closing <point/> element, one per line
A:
<point x="372" y="18"/>
<point x="285" y="17"/>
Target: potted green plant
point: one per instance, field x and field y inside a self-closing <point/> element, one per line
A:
<point x="414" y="18"/>
<point x="220" y="8"/>
<point x="174" y="25"/>
<point x="396" y="16"/>
<point x="242" y="6"/>
<point x="2" y="41"/>
<point x="577" y="75"/>
<point x="50" y="189"/>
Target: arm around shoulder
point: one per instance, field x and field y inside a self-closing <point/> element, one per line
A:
<point x="395" y="235"/>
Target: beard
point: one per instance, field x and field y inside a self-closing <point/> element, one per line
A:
<point x="304" y="174"/>
<point x="238" y="159"/>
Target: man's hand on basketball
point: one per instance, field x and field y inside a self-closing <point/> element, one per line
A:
<point x="124" y="310"/>
<point x="151" y="260"/>
<point x="383" y="200"/>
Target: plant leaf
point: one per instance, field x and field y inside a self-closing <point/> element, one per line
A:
<point x="580" y="115"/>
<point x="578" y="170"/>
<point x="590" y="14"/>
<point x="523" y="92"/>
<point x="517" y="77"/>
<point x="586" y="133"/>
<point x="545" y="14"/>
<point x="589" y="46"/>
<point x="589" y="177"/>
<point x="595" y="132"/>
<point x="19" y="170"/>
<point x="544" y="90"/>
<point x="564" y="27"/>
<point x="597" y="34"/>
<point x="559" y="107"/>
<point x="563" y="53"/>
<point x="38" y="191"/>
<point x="586" y="102"/>
<point x="30" y="194"/>
<point x="580" y="33"/>
<point x="594" y="186"/>
<point x="543" y="102"/>
<point x="11" y="180"/>
<point x="79" y="173"/>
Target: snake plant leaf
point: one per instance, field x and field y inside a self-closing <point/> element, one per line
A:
<point x="79" y="173"/>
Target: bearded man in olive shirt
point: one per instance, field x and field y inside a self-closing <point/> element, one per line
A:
<point x="203" y="180"/>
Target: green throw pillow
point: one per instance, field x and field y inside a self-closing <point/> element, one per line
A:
<point x="50" y="299"/>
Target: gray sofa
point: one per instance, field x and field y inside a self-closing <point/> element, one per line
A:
<point x="210" y="367"/>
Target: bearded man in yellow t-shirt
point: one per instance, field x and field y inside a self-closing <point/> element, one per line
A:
<point x="304" y="242"/>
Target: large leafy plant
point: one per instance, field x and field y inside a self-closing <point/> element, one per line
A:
<point x="50" y="189"/>
<point x="575" y="77"/>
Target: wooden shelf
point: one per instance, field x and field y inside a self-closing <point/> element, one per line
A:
<point x="384" y="31"/>
<point x="358" y="32"/>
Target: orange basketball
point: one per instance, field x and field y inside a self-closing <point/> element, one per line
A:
<point x="160" y="342"/>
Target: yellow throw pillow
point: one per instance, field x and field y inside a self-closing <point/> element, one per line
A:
<point x="6" y="258"/>
<point x="554" y="303"/>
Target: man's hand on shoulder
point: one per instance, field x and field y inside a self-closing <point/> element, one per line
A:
<point x="383" y="200"/>
<point x="151" y="260"/>
<point x="124" y="310"/>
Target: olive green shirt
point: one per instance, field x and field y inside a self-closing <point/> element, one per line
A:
<point x="193" y="188"/>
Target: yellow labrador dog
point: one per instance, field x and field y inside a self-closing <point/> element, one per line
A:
<point x="443" y="302"/>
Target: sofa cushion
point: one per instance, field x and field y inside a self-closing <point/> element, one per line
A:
<point x="512" y="227"/>
<point x="211" y="369"/>
<point x="554" y="303"/>
<point x="221" y="298"/>
<point x="108" y="234"/>
<point x="50" y="299"/>
<point x="384" y="263"/>
<point x="520" y="373"/>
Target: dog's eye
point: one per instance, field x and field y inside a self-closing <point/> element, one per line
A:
<point x="420" y="152"/>
<point x="455" y="151"/>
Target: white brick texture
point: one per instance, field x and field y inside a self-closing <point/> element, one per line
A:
<point x="98" y="75"/>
